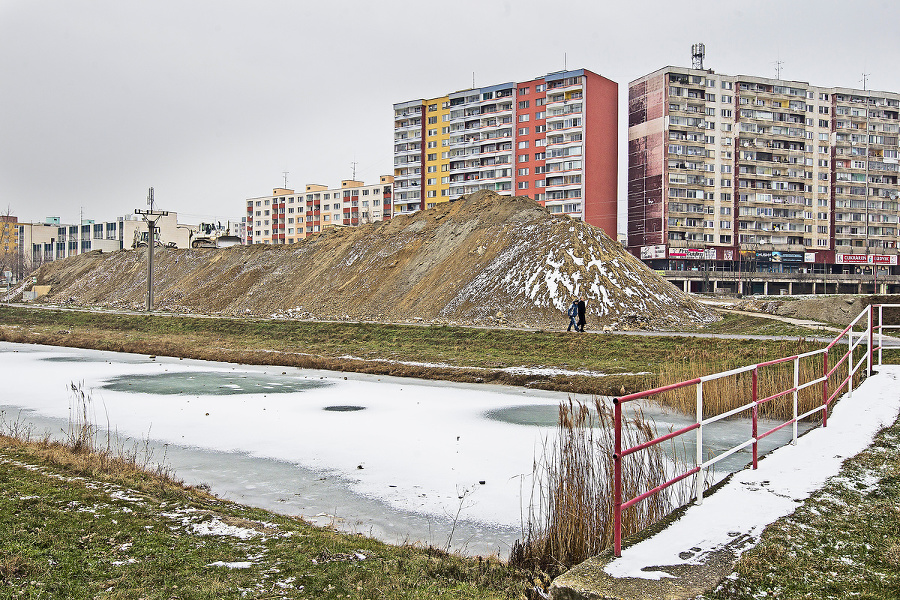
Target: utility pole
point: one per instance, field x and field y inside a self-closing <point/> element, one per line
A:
<point x="150" y="217"/>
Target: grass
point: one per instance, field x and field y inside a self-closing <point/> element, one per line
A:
<point x="842" y="542"/>
<point x="473" y="355"/>
<point x="80" y="521"/>
<point x="722" y="395"/>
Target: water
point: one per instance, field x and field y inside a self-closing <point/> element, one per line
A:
<point x="398" y="459"/>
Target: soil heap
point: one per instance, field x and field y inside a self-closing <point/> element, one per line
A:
<point x="484" y="259"/>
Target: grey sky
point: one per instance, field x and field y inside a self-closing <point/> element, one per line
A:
<point x="209" y="101"/>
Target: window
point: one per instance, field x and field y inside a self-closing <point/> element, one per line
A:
<point x="523" y="144"/>
<point x="432" y="120"/>
<point x="524" y="104"/>
<point x="524" y="118"/>
<point x="432" y="157"/>
<point x="523" y="185"/>
<point x="540" y="87"/>
<point x="523" y="91"/>
<point x="523" y="131"/>
<point x="727" y="113"/>
<point x="523" y="158"/>
<point x="432" y="181"/>
<point x="522" y="172"/>
<point x="432" y="144"/>
<point x="432" y="132"/>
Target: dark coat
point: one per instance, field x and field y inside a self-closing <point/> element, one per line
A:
<point x="581" y="309"/>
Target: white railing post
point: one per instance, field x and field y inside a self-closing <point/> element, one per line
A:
<point x="796" y="396"/>
<point x="870" y="339"/>
<point x="850" y="362"/>
<point x="701" y="475"/>
<point x="880" y="332"/>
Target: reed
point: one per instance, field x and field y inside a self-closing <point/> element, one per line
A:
<point x="85" y="446"/>
<point x="570" y="516"/>
<point x="728" y="393"/>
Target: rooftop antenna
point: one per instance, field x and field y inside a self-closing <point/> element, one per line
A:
<point x="285" y="174"/>
<point x="473" y="80"/>
<point x="353" y="164"/>
<point x="778" y="64"/>
<point x="565" y="61"/>
<point x="865" y="79"/>
<point x="698" y="53"/>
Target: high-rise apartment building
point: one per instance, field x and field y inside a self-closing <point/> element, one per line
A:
<point x="553" y="139"/>
<point x="740" y="173"/>
<point x="287" y="216"/>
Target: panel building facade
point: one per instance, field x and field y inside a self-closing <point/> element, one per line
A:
<point x="288" y="216"/>
<point x="553" y="139"/>
<point x="750" y="174"/>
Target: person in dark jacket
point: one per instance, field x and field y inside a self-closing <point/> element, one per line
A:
<point x="573" y="316"/>
<point x="581" y="320"/>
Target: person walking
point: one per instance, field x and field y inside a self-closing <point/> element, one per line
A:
<point x="581" y="320"/>
<point x="573" y="315"/>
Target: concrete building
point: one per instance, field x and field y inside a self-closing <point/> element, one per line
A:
<point x="52" y="240"/>
<point x="553" y="139"/>
<point x="288" y="216"/>
<point x="758" y="185"/>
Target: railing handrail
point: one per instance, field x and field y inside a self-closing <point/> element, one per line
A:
<point x="868" y="333"/>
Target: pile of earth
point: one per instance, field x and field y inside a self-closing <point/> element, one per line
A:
<point x="484" y="259"/>
<point x="837" y="309"/>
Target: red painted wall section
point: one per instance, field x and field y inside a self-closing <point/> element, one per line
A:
<point x="532" y="137"/>
<point x="601" y="152"/>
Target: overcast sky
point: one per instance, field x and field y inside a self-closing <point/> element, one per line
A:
<point x="210" y="101"/>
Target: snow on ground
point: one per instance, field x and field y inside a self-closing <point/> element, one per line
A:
<point x="753" y="499"/>
<point x="421" y="447"/>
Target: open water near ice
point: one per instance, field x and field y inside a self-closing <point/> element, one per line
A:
<point x="402" y="460"/>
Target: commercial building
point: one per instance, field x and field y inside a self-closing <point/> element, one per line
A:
<point x="287" y="216"/>
<point x="553" y="139"/>
<point x="759" y="185"/>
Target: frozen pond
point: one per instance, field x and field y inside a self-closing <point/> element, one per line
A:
<point x="383" y="456"/>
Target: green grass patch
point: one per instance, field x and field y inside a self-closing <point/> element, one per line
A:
<point x="842" y="542"/>
<point x="68" y="534"/>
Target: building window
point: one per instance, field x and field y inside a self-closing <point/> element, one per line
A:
<point x="523" y="144"/>
<point x="524" y="118"/>
<point x="523" y="185"/>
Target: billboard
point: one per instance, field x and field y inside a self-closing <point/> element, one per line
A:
<point x="651" y="252"/>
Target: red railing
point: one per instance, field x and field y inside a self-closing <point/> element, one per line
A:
<point x="702" y="466"/>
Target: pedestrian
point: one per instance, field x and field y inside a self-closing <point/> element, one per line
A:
<point x="573" y="315"/>
<point x="581" y="320"/>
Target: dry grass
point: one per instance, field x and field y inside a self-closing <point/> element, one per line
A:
<point x="728" y="393"/>
<point x="85" y="451"/>
<point x="571" y="514"/>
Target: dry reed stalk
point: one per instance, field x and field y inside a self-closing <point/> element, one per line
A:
<point x="570" y="517"/>
<point x="728" y="393"/>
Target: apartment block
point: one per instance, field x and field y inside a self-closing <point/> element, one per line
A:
<point x="288" y="216"/>
<point x="553" y="139"/>
<point x="744" y="173"/>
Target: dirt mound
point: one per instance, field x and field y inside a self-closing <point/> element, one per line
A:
<point x="484" y="259"/>
<point x="837" y="309"/>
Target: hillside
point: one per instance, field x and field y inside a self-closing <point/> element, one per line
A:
<point x="481" y="260"/>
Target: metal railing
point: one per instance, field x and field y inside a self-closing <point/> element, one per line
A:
<point x="871" y="336"/>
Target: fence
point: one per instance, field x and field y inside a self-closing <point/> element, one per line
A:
<point x="870" y="335"/>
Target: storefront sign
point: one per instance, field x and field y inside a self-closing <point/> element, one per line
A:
<point x="863" y="259"/>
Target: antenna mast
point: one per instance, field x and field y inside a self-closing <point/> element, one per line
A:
<point x="353" y="164"/>
<point x="285" y="174"/>
<point x="778" y="64"/>
<point x="698" y="53"/>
